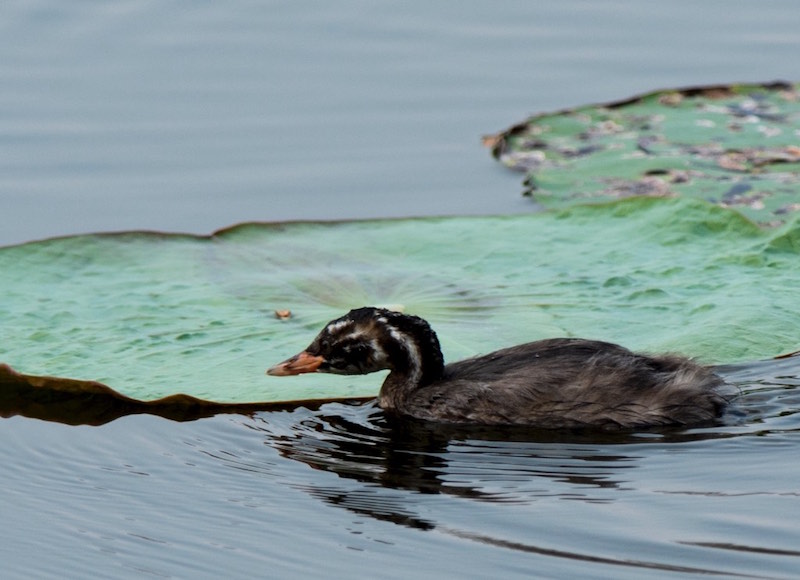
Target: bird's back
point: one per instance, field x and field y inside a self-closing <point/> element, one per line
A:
<point x="560" y="383"/>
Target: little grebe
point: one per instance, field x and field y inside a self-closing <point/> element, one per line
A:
<point x="554" y="383"/>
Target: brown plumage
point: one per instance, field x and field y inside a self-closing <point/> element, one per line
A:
<point x="554" y="383"/>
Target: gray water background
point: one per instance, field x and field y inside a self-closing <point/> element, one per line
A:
<point x="191" y="116"/>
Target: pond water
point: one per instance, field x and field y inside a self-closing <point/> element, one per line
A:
<point x="191" y="117"/>
<point x="339" y="492"/>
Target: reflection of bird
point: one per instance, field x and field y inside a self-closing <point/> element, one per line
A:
<point x="555" y="383"/>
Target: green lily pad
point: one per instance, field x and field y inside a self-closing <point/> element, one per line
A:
<point x="153" y="315"/>
<point x="736" y="146"/>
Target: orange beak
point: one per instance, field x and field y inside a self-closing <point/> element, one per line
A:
<point x="298" y="364"/>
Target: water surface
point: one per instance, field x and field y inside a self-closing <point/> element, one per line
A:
<point x="192" y="117"/>
<point x="342" y="490"/>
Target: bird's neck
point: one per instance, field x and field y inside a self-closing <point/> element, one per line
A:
<point x="415" y="360"/>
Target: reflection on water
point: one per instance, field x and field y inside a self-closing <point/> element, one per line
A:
<point x="358" y="442"/>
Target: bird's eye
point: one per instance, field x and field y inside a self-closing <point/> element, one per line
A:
<point x="355" y="350"/>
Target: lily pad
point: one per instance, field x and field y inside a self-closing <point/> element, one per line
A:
<point x="737" y="146"/>
<point x="153" y="315"/>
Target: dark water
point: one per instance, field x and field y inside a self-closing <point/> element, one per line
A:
<point x="341" y="492"/>
<point x="190" y="117"/>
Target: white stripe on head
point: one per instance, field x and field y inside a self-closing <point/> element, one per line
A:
<point x="411" y="347"/>
<point x="339" y="324"/>
<point x="377" y="352"/>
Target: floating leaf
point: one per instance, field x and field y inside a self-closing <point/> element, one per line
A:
<point x="736" y="146"/>
<point x="153" y="315"/>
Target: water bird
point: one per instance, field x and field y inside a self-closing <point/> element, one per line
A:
<point x="551" y="384"/>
